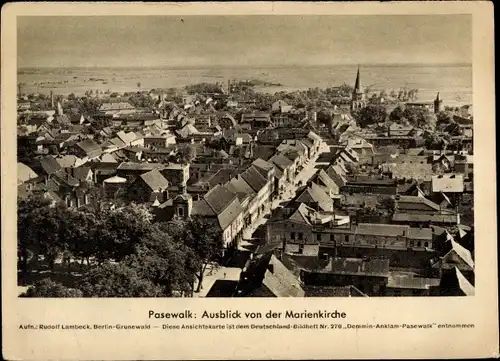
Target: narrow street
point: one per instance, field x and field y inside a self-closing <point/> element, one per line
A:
<point x="226" y="274"/>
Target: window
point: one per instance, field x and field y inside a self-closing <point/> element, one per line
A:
<point x="412" y="243"/>
<point x="332" y="238"/>
<point x="318" y="237"/>
<point x="346" y="239"/>
<point x="180" y="211"/>
<point x="419" y="244"/>
<point x="292" y="235"/>
<point x="426" y="244"/>
<point x="301" y="235"/>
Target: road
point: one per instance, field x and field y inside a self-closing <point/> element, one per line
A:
<point x="233" y="273"/>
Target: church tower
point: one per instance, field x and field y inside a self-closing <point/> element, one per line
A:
<point x="437" y="104"/>
<point x="358" y="95"/>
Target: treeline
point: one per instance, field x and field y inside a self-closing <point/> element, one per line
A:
<point x="126" y="253"/>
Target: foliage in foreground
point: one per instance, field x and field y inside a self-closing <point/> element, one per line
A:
<point x="126" y="252"/>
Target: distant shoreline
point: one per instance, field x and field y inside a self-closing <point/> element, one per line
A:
<point x="253" y="66"/>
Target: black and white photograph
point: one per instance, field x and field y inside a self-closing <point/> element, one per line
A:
<point x="240" y="156"/>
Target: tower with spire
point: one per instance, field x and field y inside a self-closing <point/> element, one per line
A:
<point x="358" y="95"/>
<point x="437" y="104"/>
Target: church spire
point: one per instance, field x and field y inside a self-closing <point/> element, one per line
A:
<point x="437" y="97"/>
<point x="357" y="84"/>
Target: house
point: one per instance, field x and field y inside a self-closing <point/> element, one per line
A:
<point x="323" y="180"/>
<point x="115" y="107"/>
<point x="279" y="177"/>
<point x="148" y="187"/>
<point x="285" y="165"/>
<point x="408" y="284"/>
<point x="187" y="131"/>
<point x="159" y="141"/>
<point x="132" y="170"/>
<point x="256" y="119"/>
<point x="359" y="184"/>
<point x="82" y="174"/>
<point x="315" y="197"/>
<point x="450" y="184"/>
<point x="266" y="276"/>
<point x="368" y="275"/>
<point x="454" y="283"/>
<point x="415" y="205"/>
<point x="403" y="245"/>
<point x="448" y="219"/>
<point x="456" y="256"/>
<point x="88" y="148"/>
<point x="222" y="207"/>
<point x="316" y="143"/>
<point x="294" y="145"/>
<point x="399" y="130"/>
<point x="77" y="118"/>
<point x="49" y="165"/>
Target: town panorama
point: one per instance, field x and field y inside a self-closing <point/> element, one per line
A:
<point x="223" y="188"/>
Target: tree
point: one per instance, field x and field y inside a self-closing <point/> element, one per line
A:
<point x="353" y="168"/>
<point x="205" y="239"/>
<point x="118" y="280"/>
<point x="186" y="154"/>
<point x="396" y="114"/>
<point x="40" y="229"/>
<point x="28" y="215"/>
<point x="89" y="105"/>
<point x="164" y="261"/>
<point x="49" y="288"/>
<point x="388" y="203"/>
<point x="445" y="117"/>
<point x="371" y="114"/>
<point x="325" y="116"/>
<point x="126" y="226"/>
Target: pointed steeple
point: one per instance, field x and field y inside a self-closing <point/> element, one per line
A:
<point x="437" y="97"/>
<point x="357" y="84"/>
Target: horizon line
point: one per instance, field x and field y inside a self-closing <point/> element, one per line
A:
<point x="241" y="65"/>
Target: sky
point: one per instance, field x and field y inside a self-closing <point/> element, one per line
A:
<point x="275" y="40"/>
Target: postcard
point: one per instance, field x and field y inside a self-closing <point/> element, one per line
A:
<point x="248" y="180"/>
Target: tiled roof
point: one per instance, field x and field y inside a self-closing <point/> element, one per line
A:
<point x="413" y="217"/>
<point x="409" y="281"/>
<point x="80" y="173"/>
<point x="463" y="283"/>
<point x="457" y="250"/>
<point x="356" y="266"/>
<point x="201" y="208"/>
<point x="89" y="147"/>
<point x="139" y="166"/>
<point x="66" y="161"/>
<point x="409" y="203"/>
<point x="219" y="198"/>
<point x="155" y="180"/>
<point x="420" y="233"/>
<point x="281" y="161"/>
<point x="239" y="185"/>
<point x="49" y="164"/>
<point x="253" y="177"/>
<point x="377" y="229"/>
<point x="326" y="180"/>
<point x="229" y="214"/>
